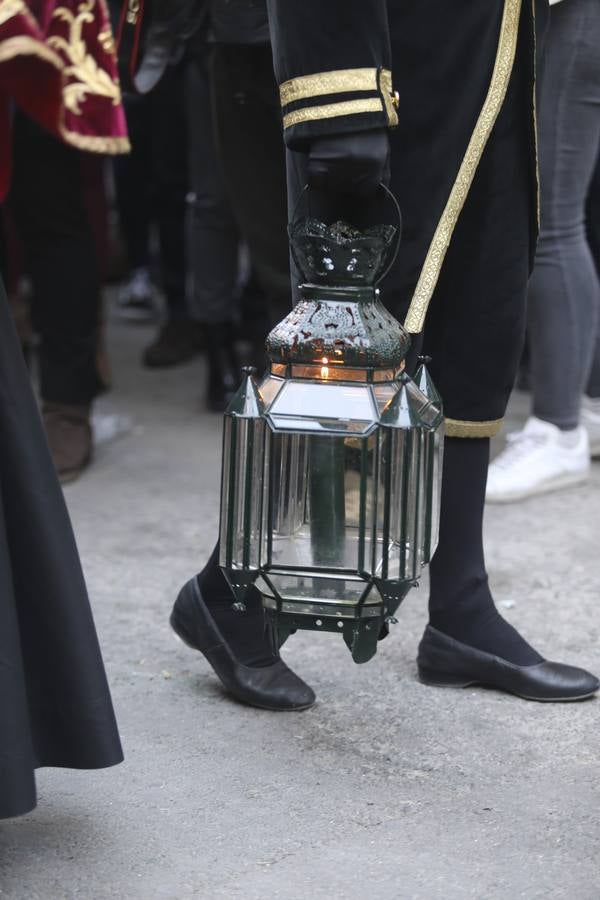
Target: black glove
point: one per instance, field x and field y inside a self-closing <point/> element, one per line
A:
<point x="352" y="164"/>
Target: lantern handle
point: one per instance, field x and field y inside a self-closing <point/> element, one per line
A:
<point x="392" y="197"/>
<point x="394" y="255"/>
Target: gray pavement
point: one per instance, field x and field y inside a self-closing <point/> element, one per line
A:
<point x="386" y="789"/>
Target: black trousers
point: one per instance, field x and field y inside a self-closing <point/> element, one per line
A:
<point x="251" y="152"/>
<point x="47" y="202"/>
<point x="152" y="183"/>
<point x="593" y="215"/>
<point x="213" y="238"/>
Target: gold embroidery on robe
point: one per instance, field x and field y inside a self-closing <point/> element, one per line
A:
<point x="105" y="39"/>
<point x="87" y="76"/>
<point x="10" y="8"/>
<point x="24" y="45"/>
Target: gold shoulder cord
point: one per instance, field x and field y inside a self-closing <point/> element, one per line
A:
<point x="436" y="254"/>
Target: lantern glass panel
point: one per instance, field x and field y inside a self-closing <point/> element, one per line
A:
<point x="323" y="407"/>
<point x="384" y="394"/>
<point x="399" y="556"/>
<point x="241" y="519"/>
<point x="342" y="593"/>
<point x="226" y="488"/>
<point x="269" y="388"/>
<point x="433" y="459"/>
<point x="333" y="374"/>
<point x="322" y="502"/>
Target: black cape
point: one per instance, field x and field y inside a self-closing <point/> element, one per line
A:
<point x="55" y="706"/>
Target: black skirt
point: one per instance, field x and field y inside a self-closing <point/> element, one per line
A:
<point x="55" y="706"/>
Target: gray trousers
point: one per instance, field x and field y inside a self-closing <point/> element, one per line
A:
<point x="564" y="295"/>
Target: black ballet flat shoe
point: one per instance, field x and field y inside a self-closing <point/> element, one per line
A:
<point x="273" y="687"/>
<point x="445" y="662"/>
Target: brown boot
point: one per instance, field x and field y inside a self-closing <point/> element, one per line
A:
<point x="69" y="434"/>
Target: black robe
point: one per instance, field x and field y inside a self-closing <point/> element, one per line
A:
<point x="55" y="706"/>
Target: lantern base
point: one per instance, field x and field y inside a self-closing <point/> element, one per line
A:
<point x="360" y="635"/>
<point x="361" y="626"/>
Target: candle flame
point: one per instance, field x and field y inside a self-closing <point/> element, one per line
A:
<point x="324" y="369"/>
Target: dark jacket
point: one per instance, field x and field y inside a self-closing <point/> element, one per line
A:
<point x="170" y="28"/>
<point x="332" y="62"/>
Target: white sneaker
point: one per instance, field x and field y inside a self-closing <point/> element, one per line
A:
<point x="590" y="419"/>
<point x="135" y="298"/>
<point x="536" y="460"/>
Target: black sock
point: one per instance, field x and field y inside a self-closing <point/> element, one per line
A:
<point x="460" y="601"/>
<point x="246" y="632"/>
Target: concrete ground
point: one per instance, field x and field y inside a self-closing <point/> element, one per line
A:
<point x="386" y="789"/>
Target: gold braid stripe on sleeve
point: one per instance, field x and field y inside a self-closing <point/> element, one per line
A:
<point x="389" y="98"/>
<point x="331" y="110"/>
<point x="436" y="254"/>
<point x="339" y="81"/>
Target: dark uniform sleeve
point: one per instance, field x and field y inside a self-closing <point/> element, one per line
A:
<point x="332" y="63"/>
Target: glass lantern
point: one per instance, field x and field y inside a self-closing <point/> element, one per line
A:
<point x="332" y="461"/>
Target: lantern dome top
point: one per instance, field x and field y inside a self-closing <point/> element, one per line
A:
<point x="339" y="321"/>
<point x="340" y="255"/>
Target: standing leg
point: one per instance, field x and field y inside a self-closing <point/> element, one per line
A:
<point x="564" y="295"/>
<point x="213" y="240"/>
<point x="590" y="407"/>
<point x="48" y="204"/>
<point x="475" y="335"/>
<point x="564" y="291"/>
<point x="251" y="152"/>
<point x="593" y="215"/>
<point x="178" y="339"/>
<point x="133" y="184"/>
<point x="461" y="603"/>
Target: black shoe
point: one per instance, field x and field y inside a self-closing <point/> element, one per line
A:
<point x="177" y="342"/>
<point x="224" y="374"/>
<point x="273" y="687"/>
<point x="69" y="435"/>
<point x="445" y="662"/>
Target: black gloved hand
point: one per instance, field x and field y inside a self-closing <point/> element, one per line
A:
<point x="352" y="164"/>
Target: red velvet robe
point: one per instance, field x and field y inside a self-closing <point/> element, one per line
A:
<point x="58" y="64"/>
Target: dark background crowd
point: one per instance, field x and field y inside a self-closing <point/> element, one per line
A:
<point x="191" y="225"/>
<point x="191" y="228"/>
